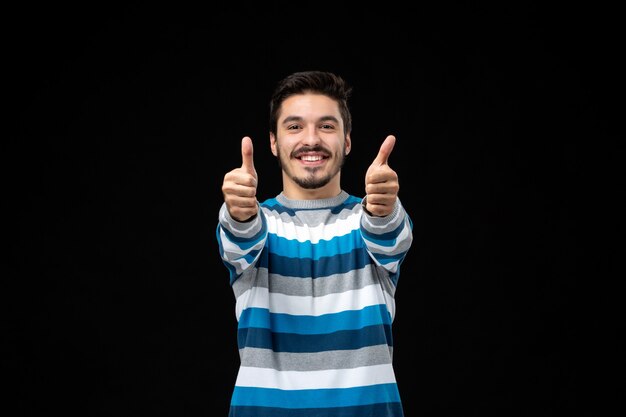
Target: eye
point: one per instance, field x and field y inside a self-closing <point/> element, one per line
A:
<point x="327" y="126"/>
<point x="293" y="127"/>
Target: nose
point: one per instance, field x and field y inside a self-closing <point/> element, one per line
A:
<point x="311" y="136"/>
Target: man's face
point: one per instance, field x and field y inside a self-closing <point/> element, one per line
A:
<point x="310" y="143"/>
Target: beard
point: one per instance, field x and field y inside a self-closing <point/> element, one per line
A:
<point x="311" y="181"/>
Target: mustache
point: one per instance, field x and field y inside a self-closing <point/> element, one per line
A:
<point x="317" y="148"/>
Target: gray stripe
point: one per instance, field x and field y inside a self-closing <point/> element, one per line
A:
<point x="318" y="287"/>
<point x="385" y="281"/>
<point x="334" y="359"/>
<point x="333" y="284"/>
<point x="251" y="277"/>
<point x="312" y="204"/>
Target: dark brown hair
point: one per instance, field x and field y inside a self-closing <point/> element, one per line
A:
<point x="319" y="82"/>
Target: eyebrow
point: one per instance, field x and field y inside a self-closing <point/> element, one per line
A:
<point x="289" y="119"/>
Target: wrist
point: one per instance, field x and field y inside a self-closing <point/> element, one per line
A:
<point x="364" y="204"/>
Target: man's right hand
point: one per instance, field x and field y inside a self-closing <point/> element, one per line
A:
<point x="239" y="187"/>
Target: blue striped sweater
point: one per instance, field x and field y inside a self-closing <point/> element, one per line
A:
<point x="314" y="283"/>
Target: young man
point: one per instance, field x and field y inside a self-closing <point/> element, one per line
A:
<point x="314" y="270"/>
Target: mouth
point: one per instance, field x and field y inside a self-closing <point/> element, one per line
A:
<point x="311" y="158"/>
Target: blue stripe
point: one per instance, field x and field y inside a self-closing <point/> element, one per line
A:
<point x="385" y="259"/>
<point x="386" y="239"/>
<point x="315" y="398"/>
<point x="292" y="248"/>
<point x="375" y="335"/>
<point x="392" y="409"/>
<point x="322" y="267"/>
<point x="394" y="277"/>
<point x="326" y="323"/>
<point x="232" y="271"/>
<point x="249" y="257"/>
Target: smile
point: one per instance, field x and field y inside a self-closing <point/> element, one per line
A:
<point x="311" y="158"/>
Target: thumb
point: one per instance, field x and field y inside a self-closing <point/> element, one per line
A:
<point x="385" y="151"/>
<point x="247" y="155"/>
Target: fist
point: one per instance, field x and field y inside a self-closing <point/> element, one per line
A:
<point x="381" y="182"/>
<point x="239" y="186"/>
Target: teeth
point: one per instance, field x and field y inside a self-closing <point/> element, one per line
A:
<point x="309" y="158"/>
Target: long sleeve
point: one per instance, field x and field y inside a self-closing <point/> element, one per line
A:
<point x="240" y="243"/>
<point x="388" y="239"/>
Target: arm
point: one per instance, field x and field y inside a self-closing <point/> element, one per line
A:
<point x="388" y="238"/>
<point x="385" y="226"/>
<point x="241" y="230"/>
<point x="240" y="243"/>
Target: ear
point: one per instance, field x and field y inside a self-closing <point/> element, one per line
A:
<point x="348" y="144"/>
<point x="273" y="144"/>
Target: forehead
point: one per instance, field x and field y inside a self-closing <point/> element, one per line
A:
<point x="309" y="106"/>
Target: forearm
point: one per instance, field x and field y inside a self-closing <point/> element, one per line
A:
<point x="388" y="238"/>
<point x="240" y="243"/>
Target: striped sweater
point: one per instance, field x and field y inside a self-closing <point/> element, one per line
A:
<point x="314" y="283"/>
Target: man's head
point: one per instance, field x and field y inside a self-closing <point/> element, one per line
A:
<point x="310" y="126"/>
<point x="319" y="82"/>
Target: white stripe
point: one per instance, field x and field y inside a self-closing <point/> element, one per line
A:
<point x="235" y="256"/>
<point x="312" y="306"/>
<point x="230" y="247"/>
<point x="333" y="378"/>
<point x="289" y="230"/>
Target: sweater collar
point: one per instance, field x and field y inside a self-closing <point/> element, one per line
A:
<point x="312" y="204"/>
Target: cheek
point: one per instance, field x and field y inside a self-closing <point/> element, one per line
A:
<point x="283" y="149"/>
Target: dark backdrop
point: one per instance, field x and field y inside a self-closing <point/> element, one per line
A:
<point x="124" y="121"/>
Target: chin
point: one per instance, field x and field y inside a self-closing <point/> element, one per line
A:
<point x="312" y="183"/>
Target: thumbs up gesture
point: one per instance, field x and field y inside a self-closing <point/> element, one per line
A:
<point x="239" y="186"/>
<point x="381" y="182"/>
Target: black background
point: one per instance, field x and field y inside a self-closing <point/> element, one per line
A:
<point x="509" y="150"/>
